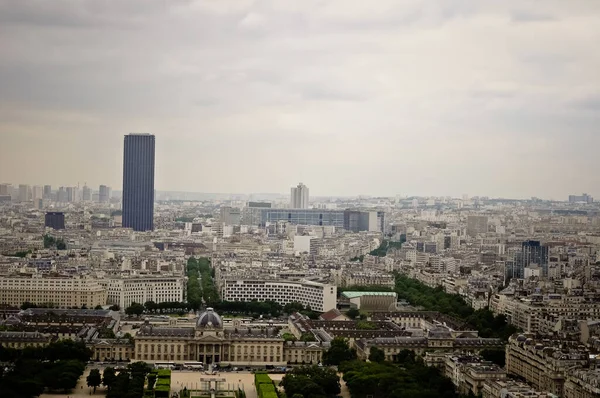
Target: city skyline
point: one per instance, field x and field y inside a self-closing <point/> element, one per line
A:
<point x="398" y="97"/>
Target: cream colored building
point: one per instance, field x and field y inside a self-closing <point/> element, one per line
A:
<point x="209" y="342"/>
<point x="140" y="289"/>
<point x="583" y="383"/>
<point x="61" y="291"/>
<point x="543" y="364"/>
<point x="511" y="389"/>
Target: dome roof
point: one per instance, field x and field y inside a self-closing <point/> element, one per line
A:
<point x="209" y="318"/>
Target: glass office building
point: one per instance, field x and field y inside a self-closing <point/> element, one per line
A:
<point x="304" y="216"/>
<point x="138" y="182"/>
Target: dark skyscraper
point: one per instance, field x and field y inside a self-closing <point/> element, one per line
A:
<point x="55" y="220"/>
<point x="138" y="182"/>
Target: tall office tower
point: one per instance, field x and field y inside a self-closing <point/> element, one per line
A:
<point x="299" y="197"/>
<point x="86" y="194"/>
<point x="37" y="193"/>
<point x="477" y="225"/>
<point x="23" y="193"/>
<point x="72" y="194"/>
<point x="61" y="195"/>
<point x="138" y="182"/>
<point x="104" y="194"/>
<point x="47" y="192"/>
<point x="6" y="189"/>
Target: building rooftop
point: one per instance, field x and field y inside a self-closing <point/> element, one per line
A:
<point x="351" y="295"/>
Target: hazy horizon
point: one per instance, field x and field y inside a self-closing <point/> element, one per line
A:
<point x="436" y="98"/>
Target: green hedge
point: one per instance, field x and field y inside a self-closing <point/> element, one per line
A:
<point x="264" y="386"/>
<point x="266" y="391"/>
<point x="163" y="372"/>
<point x="262" y="378"/>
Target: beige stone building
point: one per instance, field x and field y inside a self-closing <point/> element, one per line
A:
<point x="469" y="373"/>
<point x="583" y="383"/>
<point x="209" y="342"/>
<point x="21" y="340"/>
<point x="511" y="389"/>
<point x="61" y="291"/>
<point x="544" y="363"/>
<point x="112" y="349"/>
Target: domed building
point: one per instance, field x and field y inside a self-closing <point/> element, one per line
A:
<point x="209" y="342"/>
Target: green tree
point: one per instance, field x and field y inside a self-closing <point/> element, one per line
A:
<point x="338" y="352"/>
<point x="150" y="306"/>
<point x="115" y="307"/>
<point x="109" y="377"/>
<point x="98" y="307"/>
<point x="94" y="379"/>
<point x="376" y="355"/>
<point x="353" y="313"/>
<point x="135" y="309"/>
<point x="292" y="307"/>
<point x="151" y="380"/>
<point x="311" y="381"/>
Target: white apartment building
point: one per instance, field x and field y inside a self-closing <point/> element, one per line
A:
<point x="126" y="290"/>
<point x="299" y="197"/>
<point x="62" y="292"/>
<point x="320" y="297"/>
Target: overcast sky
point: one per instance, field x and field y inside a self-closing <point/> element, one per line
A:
<point x="384" y="97"/>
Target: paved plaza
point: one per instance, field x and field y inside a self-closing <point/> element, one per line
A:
<point x="191" y="380"/>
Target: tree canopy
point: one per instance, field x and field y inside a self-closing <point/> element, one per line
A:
<point x="311" y="381"/>
<point x="94" y="379"/>
<point x="410" y="378"/>
<point x="376" y="355"/>
<point x="339" y="352"/>
<point x="436" y="299"/>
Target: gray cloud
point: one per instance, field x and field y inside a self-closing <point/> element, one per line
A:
<point x="347" y="96"/>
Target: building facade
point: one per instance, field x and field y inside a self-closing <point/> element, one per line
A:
<point x="320" y="297"/>
<point x="210" y="342"/>
<point x="104" y="194"/>
<point x="124" y="291"/>
<point x="138" y="182"/>
<point x="543" y="364"/>
<point x="62" y="292"/>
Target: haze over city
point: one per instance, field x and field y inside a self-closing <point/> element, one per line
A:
<point x="381" y="98"/>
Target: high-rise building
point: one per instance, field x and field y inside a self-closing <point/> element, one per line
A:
<point x="47" y="192"/>
<point x="299" y="197"/>
<point x="61" y="195"/>
<point x="477" y="225"/>
<point x="6" y="189"/>
<point x="104" y="194"/>
<point x="72" y="194"/>
<point x="37" y="193"/>
<point x="138" y="182"/>
<point x="55" y="220"/>
<point x="23" y="193"/>
<point x="86" y="194"/>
